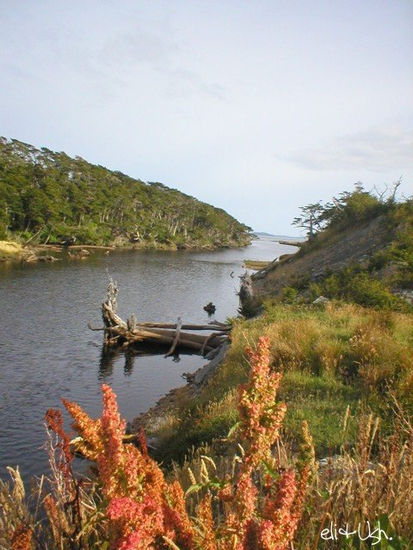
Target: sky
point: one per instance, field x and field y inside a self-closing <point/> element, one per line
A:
<point x="258" y="107"/>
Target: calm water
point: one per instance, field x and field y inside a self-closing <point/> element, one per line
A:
<point x="47" y="351"/>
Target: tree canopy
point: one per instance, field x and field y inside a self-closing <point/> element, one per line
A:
<point x="350" y="207"/>
<point x="54" y="196"/>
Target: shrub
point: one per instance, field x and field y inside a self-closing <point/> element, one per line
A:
<point x="352" y="284"/>
<point x="289" y="295"/>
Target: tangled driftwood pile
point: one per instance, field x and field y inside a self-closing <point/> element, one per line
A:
<point x="131" y="333"/>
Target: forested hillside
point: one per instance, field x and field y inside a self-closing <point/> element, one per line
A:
<point x="51" y="197"/>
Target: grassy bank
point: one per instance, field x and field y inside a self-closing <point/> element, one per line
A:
<point x="255" y="264"/>
<point x="13" y="250"/>
<point x="333" y="358"/>
<point x="347" y="371"/>
<point x="10" y="250"/>
<point x="304" y="430"/>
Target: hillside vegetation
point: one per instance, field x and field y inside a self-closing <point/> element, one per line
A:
<point x="360" y="249"/>
<point x="52" y="197"/>
<point x="355" y="350"/>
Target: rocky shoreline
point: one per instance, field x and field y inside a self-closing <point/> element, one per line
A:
<point x="11" y="251"/>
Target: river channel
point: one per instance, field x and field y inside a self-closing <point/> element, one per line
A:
<point x="48" y="352"/>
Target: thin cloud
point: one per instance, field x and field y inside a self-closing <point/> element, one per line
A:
<point x="376" y="150"/>
<point x="128" y="53"/>
<point x="185" y="82"/>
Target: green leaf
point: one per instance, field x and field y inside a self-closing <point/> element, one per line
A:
<point x="234" y="428"/>
<point x="194" y="489"/>
<point x="270" y="471"/>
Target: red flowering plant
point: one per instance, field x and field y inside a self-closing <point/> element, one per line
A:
<point x="141" y="510"/>
<point x="22" y="538"/>
<point x="253" y="522"/>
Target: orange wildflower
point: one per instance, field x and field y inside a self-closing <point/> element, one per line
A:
<point x="247" y="526"/>
<point x="22" y="538"/>
<point x="207" y="540"/>
<point x="142" y="507"/>
<point x="260" y="415"/>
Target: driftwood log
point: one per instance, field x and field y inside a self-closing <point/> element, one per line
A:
<point x="132" y="333"/>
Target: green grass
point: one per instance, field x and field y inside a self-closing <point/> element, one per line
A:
<point x="322" y="401"/>
<point x="331" y="359"/>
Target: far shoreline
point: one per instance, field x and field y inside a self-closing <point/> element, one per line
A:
<point x="14" y="252"/>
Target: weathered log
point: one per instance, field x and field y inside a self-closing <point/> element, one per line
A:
<point x="212" y="326"/>
<point x="170" y="334"/>
<point x="123" y="337"/>
<point x="184" y="337"/>
<point x="185" y="340"/>
<point x="222" y="325"/>
<point x="204" y="344"/>
<point x="118" y="333"/>
<point x="207" y="340"/>
<point x="176" y="339"/>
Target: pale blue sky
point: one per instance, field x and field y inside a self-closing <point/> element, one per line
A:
<point x="254" y="106"/>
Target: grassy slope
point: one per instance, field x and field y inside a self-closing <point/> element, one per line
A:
<point x="332" y="358"/>
<point x="364" y="262"/>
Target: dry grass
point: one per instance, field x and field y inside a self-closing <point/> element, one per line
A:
<point x="14" y="510"/>
<point x="372" y="481"/>
<point x="69" y="523"/>
<point x="331" y="358"/>
<point x="10" y="250"/>
<point x="342" y="340"/>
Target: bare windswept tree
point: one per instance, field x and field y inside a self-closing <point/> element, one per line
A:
<point x="311" y="218"/>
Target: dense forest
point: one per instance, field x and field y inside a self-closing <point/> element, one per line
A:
<point x="49" y="197"/>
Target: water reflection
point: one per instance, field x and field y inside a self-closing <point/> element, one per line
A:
<point x="107" y="363"/>
<point x="109" y="358"/>
<point x="129" y="360"/>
